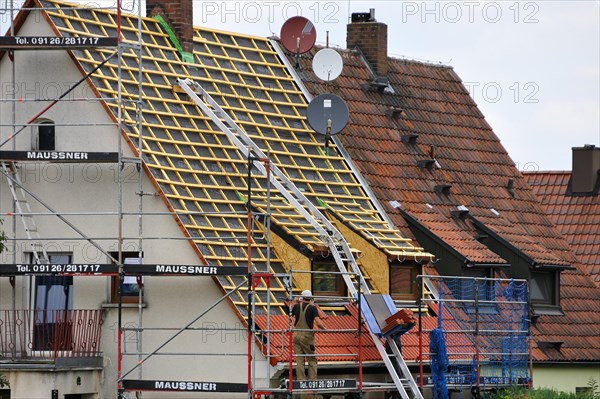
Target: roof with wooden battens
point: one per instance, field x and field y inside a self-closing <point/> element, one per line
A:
<point x="436" y="137"/>
<point x="199" y="173"/>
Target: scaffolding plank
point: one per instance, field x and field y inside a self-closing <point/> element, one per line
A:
<point x="60" y="156"/>
<point x="183" y="386"/>
<point x="55" y="42"/>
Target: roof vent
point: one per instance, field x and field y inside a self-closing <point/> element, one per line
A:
<point x="510" y="185"/>
<point x="460" y="213"/>
<point x="394" y="112"/>
<point x="410" y="138"/>
<point x="380" y="84"/>
<point x="426" y="164"/>
<point x="442" y="189"/>
<point x="544" y="345"/>
<point x="395" y="204"/>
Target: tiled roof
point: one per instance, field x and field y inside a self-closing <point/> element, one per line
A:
<point x="577" y="217"/>
<point x="452" y="131"/>
<point x="438" y="111"/>
<point x="198" y="172"/>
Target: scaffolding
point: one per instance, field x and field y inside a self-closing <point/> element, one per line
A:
<point x="482" y="336"/>
<point x="41" y="264"/>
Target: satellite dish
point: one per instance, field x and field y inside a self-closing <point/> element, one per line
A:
<point x="327" y="114"/>
<point x="298" y="35"/>
<point x="327" y="64"/>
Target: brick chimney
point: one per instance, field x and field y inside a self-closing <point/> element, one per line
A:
<point x="179" y="16"/>
<point x="370" y="36"/>
<point x="586" y="167"/>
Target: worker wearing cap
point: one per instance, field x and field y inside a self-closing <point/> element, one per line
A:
<point x="306" y="316"/>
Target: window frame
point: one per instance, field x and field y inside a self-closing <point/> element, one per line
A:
<point x="114" y="280"/>
<point x="340" y="285"/>
<point x="482" y="273"/>
<point x="554" y="300"/>
<point x="46" y="128"/>
<point x="415" y="269"/>
<point x="46" y="321"/>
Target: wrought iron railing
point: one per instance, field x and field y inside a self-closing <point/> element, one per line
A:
<point x="49" y="334"/>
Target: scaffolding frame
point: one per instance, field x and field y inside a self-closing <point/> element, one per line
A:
<point x="489" y="339"/>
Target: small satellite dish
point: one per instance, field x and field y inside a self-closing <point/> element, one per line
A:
<point x="327" y="114"/>
<point x="298" y="35"/>
<point x="327" y="64"/>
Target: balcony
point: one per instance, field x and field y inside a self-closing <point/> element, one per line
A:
<point x="50" y="335"/>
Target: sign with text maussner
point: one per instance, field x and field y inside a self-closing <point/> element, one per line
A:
<point x="184" y="270"/>
<point x="36" y="42"/>
<point x="183" y="386"/>
<point x="59" y="156"/>
<point x="22" y="269"/>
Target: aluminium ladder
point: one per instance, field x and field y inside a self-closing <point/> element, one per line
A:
<point x="329" y="234"/>
<point x="9" y="169"/>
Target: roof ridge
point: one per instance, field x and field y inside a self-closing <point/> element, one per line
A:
<point x="546" y="172"/>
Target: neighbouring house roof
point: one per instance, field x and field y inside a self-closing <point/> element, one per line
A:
<point x="396" y="136"/>
<point x="200" y="175"/>
<point x="577" y="217"/>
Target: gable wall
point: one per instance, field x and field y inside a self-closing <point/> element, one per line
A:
<point x="88" y="188"/>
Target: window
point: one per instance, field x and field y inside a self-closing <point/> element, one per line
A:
<point x="53" y="300"/>
<point x="403" y="281"/>
<point x="486" y="289"/>
<point x="44" y="136"/>
<point x="325" y="282"/>
<point x="131" y="289"/>
<point x="543" y="288"/>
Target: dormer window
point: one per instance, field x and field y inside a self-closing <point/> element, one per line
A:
<point x="327" y="279"/>
<point x="544" y="288"/>
<point x="44" y="136"/>
<point x="403" y="281"/>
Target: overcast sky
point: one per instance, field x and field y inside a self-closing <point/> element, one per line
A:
<point x="533" y="67"/>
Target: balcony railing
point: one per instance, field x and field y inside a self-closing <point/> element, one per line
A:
<point x="49" y="334"/>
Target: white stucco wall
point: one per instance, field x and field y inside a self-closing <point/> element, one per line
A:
<point x="169" y="301"/>
<point x="565" y="377"/>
